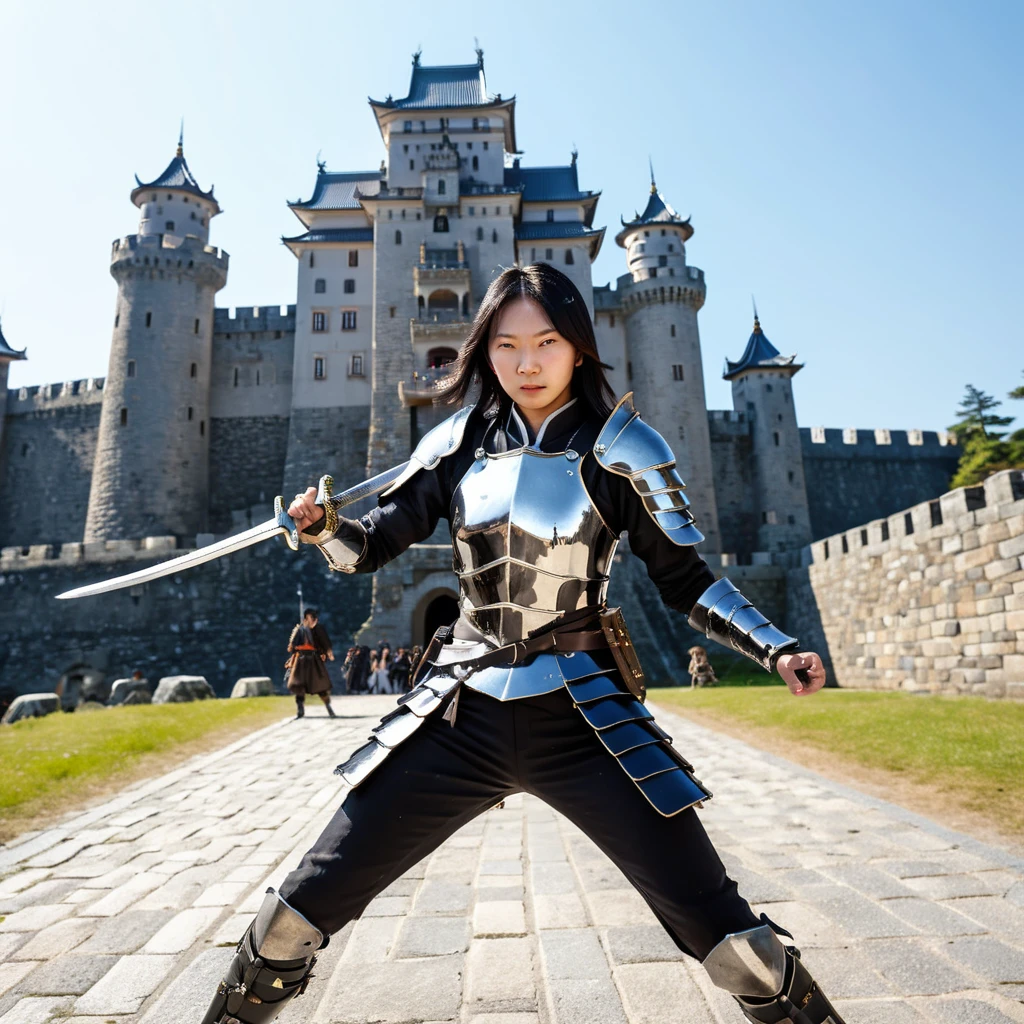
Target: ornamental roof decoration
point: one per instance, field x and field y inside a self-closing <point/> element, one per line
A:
<point x="760" y="354"/>
<point x="6" y="352"/>
<point x="338" y="236"/>
<point x="176" y="175"/>
<point x="658" y="212"/>
<point x="559" y="230"/>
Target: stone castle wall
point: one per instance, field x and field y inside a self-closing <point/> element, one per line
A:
<point x="854" y="476"/>
<point x="732" y="458"/>
<point x="931" y="597"/>
<point x="49" y="441"/>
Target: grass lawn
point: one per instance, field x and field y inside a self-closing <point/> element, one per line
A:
<point x="52" y="764"/>
<point x="967" y="750"/>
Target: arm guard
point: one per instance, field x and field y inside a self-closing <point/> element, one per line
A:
<point x="629" y="447"/>
<point x="723" y="614"/>
<point x="341" y="541"/>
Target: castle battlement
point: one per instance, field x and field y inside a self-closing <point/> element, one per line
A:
<point x="150" y="244"/>
<point x="848" y="442"/>
<point x="946" y="518"/>
<point x="37" y="556"/>
<point x="253" y="318"/>
<point x="87" y="391"/>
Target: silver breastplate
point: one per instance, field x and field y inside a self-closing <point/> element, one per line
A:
<point x="528" y="543"/>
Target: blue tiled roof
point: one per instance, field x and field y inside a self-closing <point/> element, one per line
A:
<point x="760" y="352"/>
<point x="176" y="175"/>
<point x="529" y="230"/>
<point x="450" y="85"/>
<point x="546" y="184"/>
<point x="335" y="190"/>
<point x="657" y="211"/>
<point x="333" y="235"/>
<point x="6" y="352"/>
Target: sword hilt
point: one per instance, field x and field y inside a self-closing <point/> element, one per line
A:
<point x="286" y="524"/>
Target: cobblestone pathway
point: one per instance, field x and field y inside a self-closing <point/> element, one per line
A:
<point x="128" y="912"/>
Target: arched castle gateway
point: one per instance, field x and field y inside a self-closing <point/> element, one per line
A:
<point x="205" y="414"/>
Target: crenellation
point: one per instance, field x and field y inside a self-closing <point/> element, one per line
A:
<point x="25" y="400"/>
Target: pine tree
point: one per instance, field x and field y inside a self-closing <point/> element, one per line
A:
<point x="984" y="452"/>
<point x="976" y="414"/>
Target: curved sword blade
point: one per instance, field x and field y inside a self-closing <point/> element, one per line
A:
<point x="280" y="524"/>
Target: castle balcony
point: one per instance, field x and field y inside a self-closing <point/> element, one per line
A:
<point x="442" y="284"/>
<point x="441" y="160"/>
<point x="421" y="390"/>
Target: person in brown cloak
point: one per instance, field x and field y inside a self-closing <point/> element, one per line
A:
<point x="309" y="647"/>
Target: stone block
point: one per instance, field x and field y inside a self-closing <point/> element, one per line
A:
<point x="179" y="689"/>
<point x="428" y="989"/>
<point x="125" y="986"/>
<point x="1000" y="567"/>
<point x="496" y="918"/>
<point x="69" y="974"/>
<point x="253" y="686"/>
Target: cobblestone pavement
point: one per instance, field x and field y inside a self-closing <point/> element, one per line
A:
<point x="128" y="912"/>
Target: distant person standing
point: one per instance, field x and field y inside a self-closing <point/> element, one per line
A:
<point x="309" y="647"/>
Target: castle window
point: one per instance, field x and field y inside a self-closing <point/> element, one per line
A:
<point x="662" y="232"/>
<point x="124" y="417"/>
<point x="398" y="238"/>
<point x="407" y="126"/>
<point x="863" y="538"/>
<point x="149" y="319"/>
<point x="533" y="255"/>
<point x="440" y="223"/>
<point x="353" y="257"/>
<point x="672" y="330"/>
<point x="654" y="271"/>
<point x="472" y="211"/>
<point x="319" y="368"/>
<point x="647" y="234"/>
<point x="611" y="319"/>
<point x="479" y="234"/>
<point x="826" y="550"/>
<point x="485" y="145"/>
<point x="391" y="214"/>
<point x="169" y="197"/>
<point x="152" y="197"/>
<point x="641" y="246"/>
<point x="846" y="545"/>
<point x="775" y="435"/>
<point x="193" y="213"/>
<point x="671" y="247"/>
<point x="405" y="148"/>
<point x="790" y="475"/>
<point x="662" y="261"/>
<point x="190" y="414"/>
<point x="677" y="371"/>
<point x="767" y="387"/>
<point x="476" y="163"/>
<point x="193" y="370"/>
<point x="195" y="327"/>
<point x="629" y="370"/>
<point x="791" y="519"/>
<point x="936" y="511"/>
<point x="355" y="368"/>
<point x="235" y="376"/>
<point x="549" y="254"/>
<point x="391" y="311"/>
<point x="885" y="531"/>
<point x="320" y="285"/>
<point x="169" y="225"/>
<point x="131" y="367"/>
<point x="350" y="285"/>
<point x="442" y="186"/>
<point x="348" y="319"/>
<point x="312" y="259"/>
<point x="257" y="378"/>
<point x="476" y="124"/>
<point x="24" y="450"/>
<point x="319" y="322"/>
<point x="117" y="319"/>
<point x="569" y="258"/>
<point x="401" y="214"/>
<point x="202" y="428"/>
<point x="551" y="216"/>
<point x="908" y="523"/>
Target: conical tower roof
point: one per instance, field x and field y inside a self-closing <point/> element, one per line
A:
<point x="176" y="175"/>
<point x="658" y="212"/>
<point x="760" y="354"/>
<point x="8" y="353"/>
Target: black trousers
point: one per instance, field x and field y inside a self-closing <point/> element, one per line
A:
<point x="443" y="776"/>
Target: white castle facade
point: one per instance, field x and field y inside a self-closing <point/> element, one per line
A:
<point x="205" y="413"/>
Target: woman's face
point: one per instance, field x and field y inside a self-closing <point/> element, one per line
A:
<point x="532" y="361"/>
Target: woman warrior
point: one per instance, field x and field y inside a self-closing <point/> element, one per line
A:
<point x="534" y="688"/>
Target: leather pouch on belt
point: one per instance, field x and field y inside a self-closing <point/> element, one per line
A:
<point x="619" y="643"/>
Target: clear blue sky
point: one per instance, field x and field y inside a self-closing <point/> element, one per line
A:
<point x="855" y="166"/>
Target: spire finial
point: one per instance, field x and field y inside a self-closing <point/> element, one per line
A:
<point x="181" y="138"/>
<point x="757" y="323"/>
<point x="654" y="188"/>
<point x="575" y="154"/>
<point x="479" y="52"/>
<point x="416" y="57"/>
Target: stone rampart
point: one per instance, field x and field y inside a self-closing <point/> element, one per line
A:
<point x="857" y="475"/>
<point x="931" y="597"/>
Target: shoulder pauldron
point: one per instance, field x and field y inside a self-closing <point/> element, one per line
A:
<point x="435" y="445"/>
<point x="631" y="448"/>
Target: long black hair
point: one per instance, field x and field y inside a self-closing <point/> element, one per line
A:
<point x="562" y="302"/>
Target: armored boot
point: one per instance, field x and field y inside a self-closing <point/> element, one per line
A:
<point x="768" y="980"/>
<point x="272" y="964"/>
<point x="330" y="710"/>
<point x="300" y="708"/>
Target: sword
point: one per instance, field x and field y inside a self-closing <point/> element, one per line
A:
<point x="282" y="524"/>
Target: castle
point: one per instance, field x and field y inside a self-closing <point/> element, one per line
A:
<point x="205" y="414"/>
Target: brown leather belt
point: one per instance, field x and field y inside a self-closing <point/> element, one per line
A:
<point x="566" y="640"/>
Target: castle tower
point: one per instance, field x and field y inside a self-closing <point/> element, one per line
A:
<point x="152" y="456"/>
<point x="660" y="306"/>
<point x="7" y="356"/>
<point x="762" y="389"/>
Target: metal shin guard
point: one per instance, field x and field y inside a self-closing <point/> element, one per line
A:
<point x="768" y="980"/>
<point x="272" y="965"/>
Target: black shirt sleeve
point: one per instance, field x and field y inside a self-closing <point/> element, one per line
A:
<point x="679" y="573"/>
